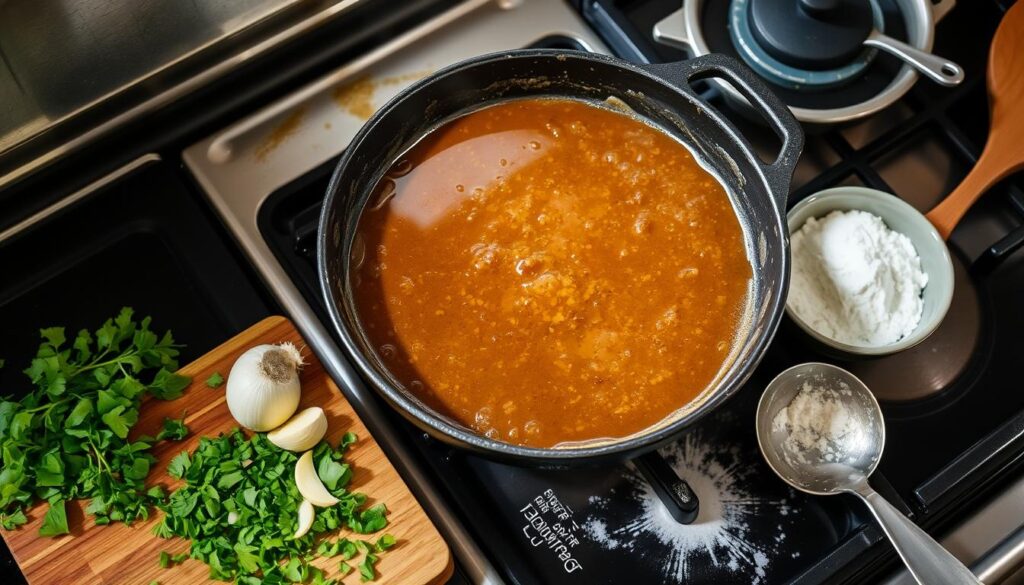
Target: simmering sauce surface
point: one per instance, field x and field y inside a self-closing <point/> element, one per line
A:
<point x="547" y="271"/>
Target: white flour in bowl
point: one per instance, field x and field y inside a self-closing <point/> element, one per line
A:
<point x="855" y="280"/>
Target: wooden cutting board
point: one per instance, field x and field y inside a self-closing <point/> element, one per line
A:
<point x="117" y="553"/>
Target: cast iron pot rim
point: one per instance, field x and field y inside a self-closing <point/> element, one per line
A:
<point x="434" y="424"/>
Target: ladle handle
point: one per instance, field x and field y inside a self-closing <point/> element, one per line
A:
<point x="940" y="70"/>
<point x="928" y="562"/>
<point x="674" y="493"/>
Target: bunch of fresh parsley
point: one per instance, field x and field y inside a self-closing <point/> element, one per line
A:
<point x="68" y="438"/>
<point x="239" y="507"/>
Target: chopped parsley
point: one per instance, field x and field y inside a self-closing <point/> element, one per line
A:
<point x="67" y="439"/>
<point x="239" y="509"/>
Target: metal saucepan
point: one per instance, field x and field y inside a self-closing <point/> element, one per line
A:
<point x="659" y="93"/>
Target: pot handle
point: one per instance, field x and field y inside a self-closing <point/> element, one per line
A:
<point x="779" y="172"/>
<point x="674" y="493"/>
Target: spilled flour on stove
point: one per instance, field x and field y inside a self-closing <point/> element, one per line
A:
<point x="720" y="537"/>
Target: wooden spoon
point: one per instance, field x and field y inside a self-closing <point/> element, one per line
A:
<point x="1004" y="152"/>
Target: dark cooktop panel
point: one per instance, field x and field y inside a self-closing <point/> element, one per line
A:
<point x="145" y="241"/>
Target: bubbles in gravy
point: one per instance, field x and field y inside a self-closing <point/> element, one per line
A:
<point x="548" y="271"/>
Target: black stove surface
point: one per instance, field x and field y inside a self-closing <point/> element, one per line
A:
<point x="944" y="453"/>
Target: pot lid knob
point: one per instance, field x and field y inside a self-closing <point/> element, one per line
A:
<point x="822" y="9"/>
<point x="811" y="34"/>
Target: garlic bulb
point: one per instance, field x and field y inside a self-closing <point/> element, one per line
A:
<point x="302" y="431"/>
<point x="263" y="386"/>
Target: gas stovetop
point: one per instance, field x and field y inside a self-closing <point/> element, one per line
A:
<point x="959" y="438"/>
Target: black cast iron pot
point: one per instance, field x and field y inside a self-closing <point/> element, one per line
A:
<point x="659" y="93"/>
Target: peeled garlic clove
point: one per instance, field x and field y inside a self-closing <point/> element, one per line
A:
<point x="309" y="483"/>
<point x="306" y="515"/>
<point x="302" y="431"/>
<point x="232" y="517"/>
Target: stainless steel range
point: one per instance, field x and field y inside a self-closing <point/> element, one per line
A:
<point x="955" y="416"/>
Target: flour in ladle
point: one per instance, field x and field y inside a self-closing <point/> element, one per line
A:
<point x="855" y="280"/>
<point x="817" y="419"/>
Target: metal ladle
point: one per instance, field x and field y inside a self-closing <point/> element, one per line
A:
<point x="940" y="70"/>
<point x="847" y="465"/>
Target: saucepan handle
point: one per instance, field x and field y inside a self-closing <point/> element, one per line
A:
<point x="674" y="493"/>
<point x="779" y="172"/>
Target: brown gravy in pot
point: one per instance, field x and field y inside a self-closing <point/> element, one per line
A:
<point x="549" y="271"/>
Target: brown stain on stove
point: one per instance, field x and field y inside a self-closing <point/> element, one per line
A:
<point x="356" y="97"/>
<point x="281" y="133"/>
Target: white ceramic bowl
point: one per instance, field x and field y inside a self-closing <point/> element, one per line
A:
<point x="903" y="218"/>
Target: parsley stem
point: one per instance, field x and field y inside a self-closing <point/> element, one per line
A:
<point x="47" y="407"/>
<point x="99" y="457"/>
<point x="118" y="360"/>
<point x="95" y="359"/>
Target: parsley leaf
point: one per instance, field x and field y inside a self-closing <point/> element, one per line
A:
<point x="79" y="413"/>
<point x="384" y="543"/>
<point x="56" y="520"/>
<point x="318" y="577"/>
<point x="369" y="521"/>
<point x="173" y="429"/>
<point x="179" y="465"/>
<point x="366" y="572"/>
<point x="331" y="472"/>
<point x="167" y="559"/>
<point x="12" y="521"/>
<point x="215" y="380"/>
<point x="167" y="385"/>
<point x="118" y="421"/>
